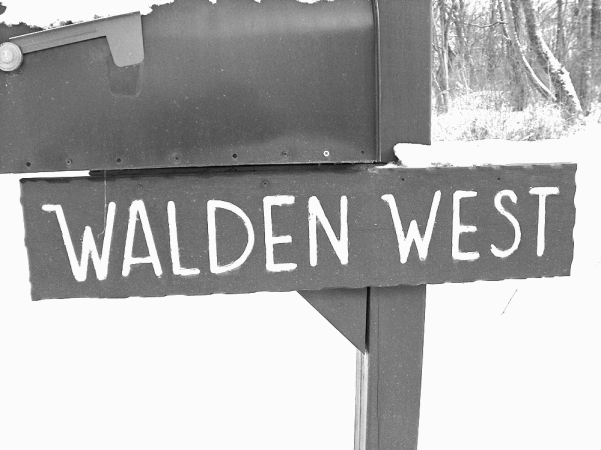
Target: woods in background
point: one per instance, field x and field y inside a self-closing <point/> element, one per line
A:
<point x="518" y="52"/>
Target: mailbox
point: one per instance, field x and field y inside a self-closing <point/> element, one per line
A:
<point x="235" y="82"/>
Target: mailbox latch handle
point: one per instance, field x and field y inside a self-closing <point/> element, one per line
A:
<point x="123" y="33"/>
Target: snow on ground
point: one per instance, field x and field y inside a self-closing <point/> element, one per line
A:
<point x="265" y="371"/>
<point x="528" y="378"/>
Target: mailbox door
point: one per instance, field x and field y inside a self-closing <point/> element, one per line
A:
<point x="231" y="83"/>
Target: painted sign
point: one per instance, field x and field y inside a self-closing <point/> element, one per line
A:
<point x="290" y="229"/>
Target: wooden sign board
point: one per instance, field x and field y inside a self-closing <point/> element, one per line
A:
<point x="281" y="230"/>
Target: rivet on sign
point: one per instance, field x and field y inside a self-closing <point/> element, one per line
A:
<point x="10" y="57"/>
<point x="326" y="153"/>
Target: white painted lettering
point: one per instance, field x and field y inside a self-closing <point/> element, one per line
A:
<point x="517" y="232"/>
<point x="542" y="193"/>
<point x="174" y="244"/>
<point x="340" y="246"/>
<point x="270" y="239"/>
<point x="413" y="235"/>
<point x="458" y="228"/>
<point x="88" y="246"/>
<point x="212" y="206"/>
<point x="138" y="209"/>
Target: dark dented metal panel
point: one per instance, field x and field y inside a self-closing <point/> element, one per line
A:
<point x="373" y="250"/>
<point x="236" y="82"/>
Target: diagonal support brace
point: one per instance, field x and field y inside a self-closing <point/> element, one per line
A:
<point x="346" y="309"/>
<point x="387" y="327"/>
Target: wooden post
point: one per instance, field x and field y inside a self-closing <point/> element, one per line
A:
<point x="389" y="372"/>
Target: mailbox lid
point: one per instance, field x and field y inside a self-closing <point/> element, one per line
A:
<point x="235" y="82"/>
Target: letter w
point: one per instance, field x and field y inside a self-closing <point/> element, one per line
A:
<point x="88" y="246"/>
<point x="422" y="244"/>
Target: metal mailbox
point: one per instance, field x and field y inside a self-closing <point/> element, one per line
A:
<point x="230" y="83"/>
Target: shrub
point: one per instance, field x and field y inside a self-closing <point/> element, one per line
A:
<point x="488" y="115"/>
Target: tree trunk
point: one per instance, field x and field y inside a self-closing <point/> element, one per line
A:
<point x="582" y="77"/>
<point x="511" y="31"/>
<point x="491" y="54"/>
<point x="560" y="78"/>
<point x="560" y="39"/>
<point x="596" y="27"/>
<point x="443" y="54"/>
<point x="596" y="40"/>
<point x="465" y="63"/>
<point x="515" y="9"/>
<point x="516" y="80"/>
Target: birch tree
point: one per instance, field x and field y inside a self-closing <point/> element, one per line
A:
<point x="510" y="28"/>
<point x="560" y="77"/>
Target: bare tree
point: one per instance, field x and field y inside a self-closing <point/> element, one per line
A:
<point x="596" y="26"/>
<point x="581" y="71"/>
<point x="560" y="39"/>
<point x="516" y="79"/>
<point x="596" y="40"/>
<point x="442" y="74"/>
<point x="500" y="47"/>
<point x="560" y="77"/>
<point x="521" y="54"/>
<point x="464" y="57"/>
<point x="491" y="54"/>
